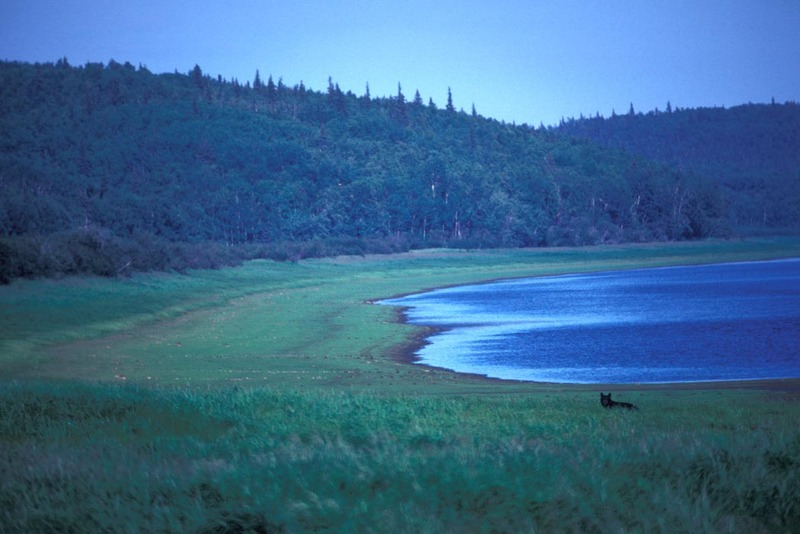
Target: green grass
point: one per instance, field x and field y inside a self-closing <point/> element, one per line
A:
<point x="269" y="398"/>
<point x="91" y="458"/>
<point x="281" y="325"/>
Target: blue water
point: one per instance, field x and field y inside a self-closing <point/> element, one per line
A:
<point x="735" y="321"/>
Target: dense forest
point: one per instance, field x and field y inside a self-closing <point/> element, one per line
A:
<point x="752" y="150"/>
<point x="109" y="168"/>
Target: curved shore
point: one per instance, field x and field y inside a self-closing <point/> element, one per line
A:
<point x="291" y="326"/>
<point x="408" y="353"/>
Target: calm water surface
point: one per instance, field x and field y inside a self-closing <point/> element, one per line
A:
<point x="719" y="322"/>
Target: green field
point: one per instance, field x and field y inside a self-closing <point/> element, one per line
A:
<point x="274" y="397"/>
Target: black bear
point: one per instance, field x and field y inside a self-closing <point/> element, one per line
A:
<point x="606" y="401"/>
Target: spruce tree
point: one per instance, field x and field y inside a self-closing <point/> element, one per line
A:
<point x="197" y="76"/>
<point x="399" y="107"/>
<point x="365" y="100"/>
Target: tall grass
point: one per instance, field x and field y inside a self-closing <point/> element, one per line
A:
<point x="125" y="459"/>
<point x="266" y="398"/>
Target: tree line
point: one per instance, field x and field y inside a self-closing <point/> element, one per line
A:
<point x="752" y="151"/>
<point x="109" y="168"/>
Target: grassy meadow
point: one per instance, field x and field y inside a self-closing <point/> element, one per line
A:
<point x="273" y="397"/>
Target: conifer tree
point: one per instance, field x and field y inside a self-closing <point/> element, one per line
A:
<point x="450" y="101"/>
<point x="365" y="100"/>
<point x="399" y="107"/>
<point x="401" y="99"/>
<point x="197" y="76"/>
<point x="336" y="96"/>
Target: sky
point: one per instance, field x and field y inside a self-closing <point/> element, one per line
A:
<point x="520" y="61"/>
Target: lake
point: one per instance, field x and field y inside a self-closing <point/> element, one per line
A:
<point x="721" y="322"/>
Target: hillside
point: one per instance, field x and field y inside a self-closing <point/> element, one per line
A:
<point x="111" y="168"/>
<point x="752" y="150"/>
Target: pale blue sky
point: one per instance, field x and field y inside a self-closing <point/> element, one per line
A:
<point x="523" y="61"/>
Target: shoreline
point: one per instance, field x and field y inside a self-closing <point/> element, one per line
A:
<point x="406" y="352"/>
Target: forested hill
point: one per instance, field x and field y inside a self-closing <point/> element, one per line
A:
<point x="111" y="168"/>
<point x="752" y="150"/>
